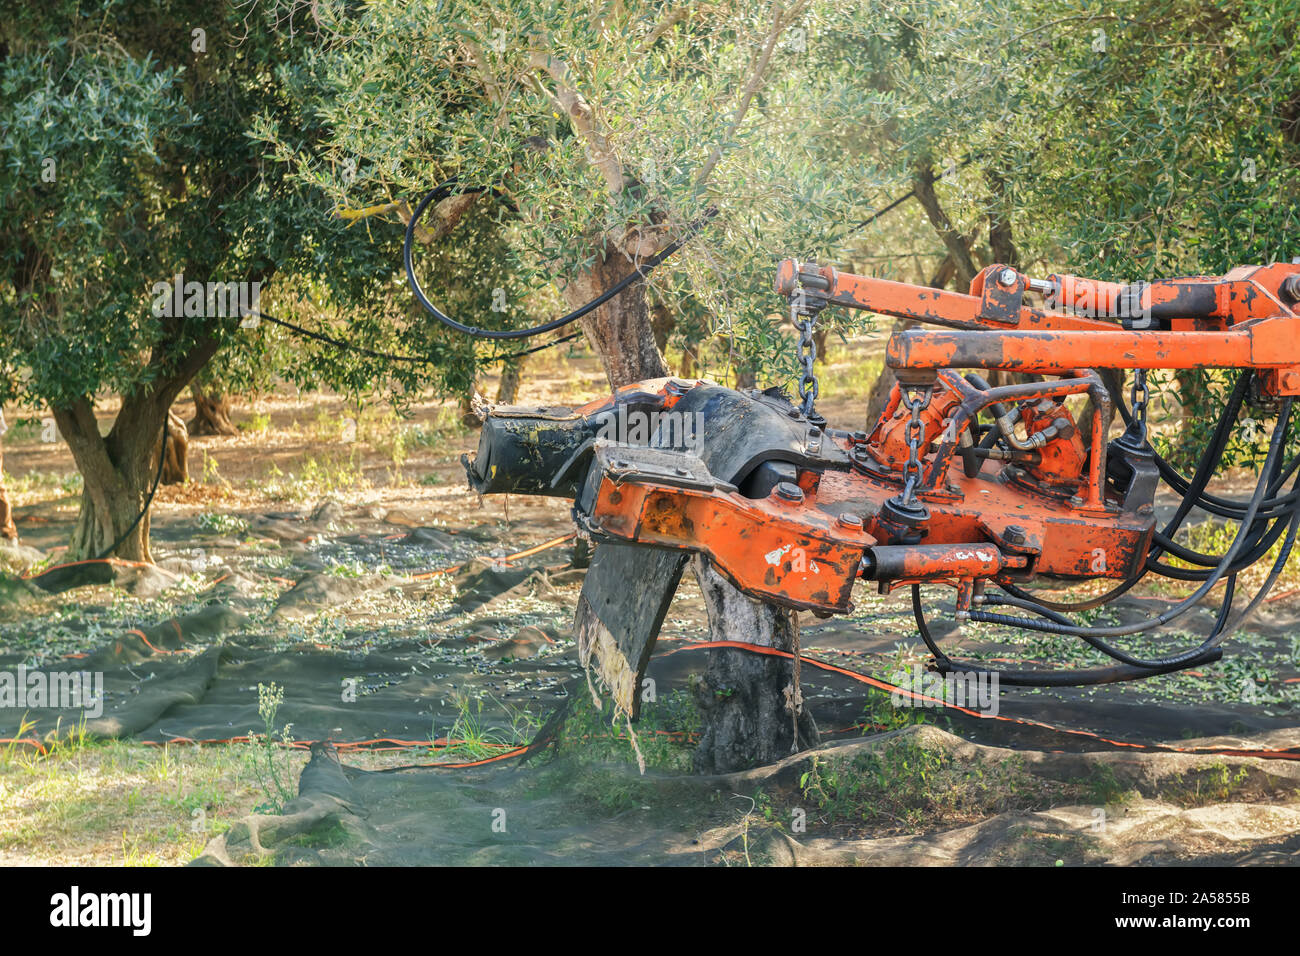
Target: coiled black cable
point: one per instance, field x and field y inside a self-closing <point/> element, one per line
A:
<point x="1224" y="567"/>
<point x="1214" y="504"/>
<point x="452" y="187"/>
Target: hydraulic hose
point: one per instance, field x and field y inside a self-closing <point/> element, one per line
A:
<point x="452" y="187"/>
<point x="1224" y="567"/>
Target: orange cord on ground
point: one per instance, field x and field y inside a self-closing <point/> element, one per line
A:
<point x="1289" y="754"/>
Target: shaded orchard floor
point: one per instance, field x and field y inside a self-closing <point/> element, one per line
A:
<point x="297" y="560"/>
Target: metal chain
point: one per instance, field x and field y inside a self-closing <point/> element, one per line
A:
<point x="808" y="386"/>
<point x="915" y="400"/>
<point x="1138" y="397"/>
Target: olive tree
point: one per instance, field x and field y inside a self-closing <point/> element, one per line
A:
<point x="606" y="129"/>
<point x="141" y="222"/>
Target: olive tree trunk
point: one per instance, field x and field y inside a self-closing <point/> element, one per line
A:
<point x="745" y="698"/>
<point x="176" y="467"/>
<point x="118" y="469"/>
<point x="742" y="695"/>
<point x="7" y="527"/>
<point x="511" y="376"/>
<point x="211" y="413"/>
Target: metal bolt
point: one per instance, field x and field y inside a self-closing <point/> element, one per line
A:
<point x="1007" y="277"/>
<point x="684" y="472"/>
<point x="1015" y="534"/>
<point x="850" y="520"/>
<point x="789" y="491"/>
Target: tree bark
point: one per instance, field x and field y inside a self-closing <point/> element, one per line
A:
<point x="176" y="468"/>
<point x="690" y="359"/>
<point x="511" y="375"/>
<point x="7" y="527"/>
<point x="118" y="469"/>
<point x="1000" y="240"/>
<point x="746" y="719"/>
<point x="662" y="321"/>
<point x="957" y="245"/>
<point x="819" y="342"/>
<point x="468" y="413"/>
<point x="620" y="330"/>
<point x="211" y="413"/>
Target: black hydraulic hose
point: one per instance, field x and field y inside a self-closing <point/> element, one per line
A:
<point x="1122" y="656"/>
<point x="452" y="187"/>
<point x="1275" y="446"/>
<point x="1273" y="573"/>
<point x="1259" y="548"/>
<point x="1265" y="543"/>
<point x="1212" y="454"/>
<point x="1221" y="629"/>
<point x="1261" y="535"/>
<point x="396" y="357"/>
<point x="1061" y="678"/>
<point x="1205" y="467"/>
<point x="1214" y="504"/>
<point x="1069" y="606"/>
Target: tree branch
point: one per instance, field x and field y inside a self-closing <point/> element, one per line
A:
<point x="923" y="186"/>
<point x="780" y="22"/>
<point x="583" y="117"/>
<point x="674" y="17"/>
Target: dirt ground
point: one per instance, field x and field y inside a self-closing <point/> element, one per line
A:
<point x="303" y="556"/>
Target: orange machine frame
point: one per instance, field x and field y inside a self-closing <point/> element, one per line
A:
<point x="805" y="548"/>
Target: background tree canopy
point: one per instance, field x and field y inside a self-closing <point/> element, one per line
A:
<point x="283" y="142"/>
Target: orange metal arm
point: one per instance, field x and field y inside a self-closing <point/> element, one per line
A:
<point x="1241" y="320"/>
<point x="989" y="306"/>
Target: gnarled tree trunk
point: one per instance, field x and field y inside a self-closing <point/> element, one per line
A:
<point x="620" y="330"/>
<point x="117" y="472"/>
<point x="746" y="721"/>
<point x="744" y="696"/>
<point x="211" y="413"/>
<point x="118" y="469"/>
